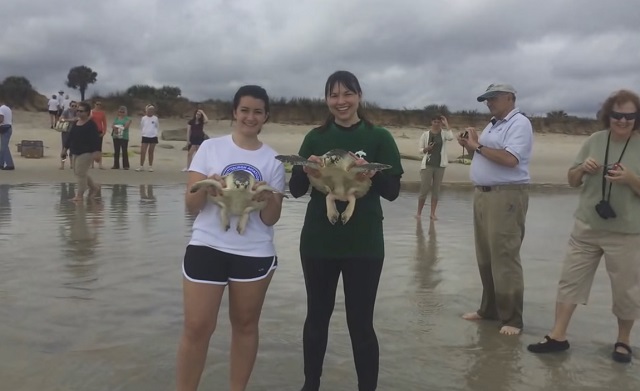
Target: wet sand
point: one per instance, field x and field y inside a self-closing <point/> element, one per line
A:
<point x="90" y="299"/>
<point x="553" y="153"/>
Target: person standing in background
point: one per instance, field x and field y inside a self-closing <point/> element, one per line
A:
<point x="52" y="107"/>
<point x="68" y="116"/>
<point x="6" y="129"/>
<point x="100" y="118"/>
<point x="149" y="125"/>
<point x="195" y="134"/>
<point x="120" y="135"/>
<point x="60" y="104"/>
<point x="433" y="144"/>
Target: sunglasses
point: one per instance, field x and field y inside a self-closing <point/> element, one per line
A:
<point x="628" y="116"/>
<point x="81" y="111"/>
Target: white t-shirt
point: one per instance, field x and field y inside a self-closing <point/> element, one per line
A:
<point x="66" y="104"/>
<point x="8" y="117"/>
<point x="149" y="126"/>
<point x="53" y="104"/>
<point x="221" y="156"/>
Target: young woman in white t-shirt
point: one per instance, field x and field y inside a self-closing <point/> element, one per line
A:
<point x="149" y="125"/>
<point x="216" y="257"/>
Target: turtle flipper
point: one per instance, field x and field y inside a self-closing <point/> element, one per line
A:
<point x="262" y="188"/>
<point x="370" y="167"/>
<point x="297" y="161"/>
<point x="205" y="183"/>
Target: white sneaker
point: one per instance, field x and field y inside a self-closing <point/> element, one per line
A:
<point x="150" y="169"/>
<point x="139" y="169"/>
<point x="184" y="169"/>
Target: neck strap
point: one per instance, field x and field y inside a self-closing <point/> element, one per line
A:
<point x="606" y="163"/>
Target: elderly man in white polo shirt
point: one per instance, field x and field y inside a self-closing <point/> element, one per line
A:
<point x="500" y="173"/>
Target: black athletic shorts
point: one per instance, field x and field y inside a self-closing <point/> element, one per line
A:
<point x="149" y="140"/>
<point x="210" y="266"/>
<point x="196" y="140"/>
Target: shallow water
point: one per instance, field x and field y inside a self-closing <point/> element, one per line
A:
<point x="90" y="299"/>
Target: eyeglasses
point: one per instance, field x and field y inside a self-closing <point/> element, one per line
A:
<point x="628" y="116"/>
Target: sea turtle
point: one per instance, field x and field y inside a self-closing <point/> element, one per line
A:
<point x="337" y="179"/>
<point x="236" y="199"/>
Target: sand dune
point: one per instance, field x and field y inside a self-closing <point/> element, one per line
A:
<point x="553" y="153"/>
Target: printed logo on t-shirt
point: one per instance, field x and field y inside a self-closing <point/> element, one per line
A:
<point x="242" y="167"/>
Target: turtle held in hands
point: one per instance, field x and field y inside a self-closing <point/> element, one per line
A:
<point x="338" y="179"/>
<point x="236" y="198"/>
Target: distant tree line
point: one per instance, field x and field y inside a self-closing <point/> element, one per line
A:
<point x="18" y="91"/>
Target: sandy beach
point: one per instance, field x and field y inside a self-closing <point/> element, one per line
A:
<point x="552" y="155"/>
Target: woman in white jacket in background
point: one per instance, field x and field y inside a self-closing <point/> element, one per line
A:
<point x="433" y="145"/>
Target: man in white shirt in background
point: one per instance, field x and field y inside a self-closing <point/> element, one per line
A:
<point x="500" y="173"/>
<point x="6" y="118"/>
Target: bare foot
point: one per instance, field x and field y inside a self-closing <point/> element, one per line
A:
<point x="471" y="316"/>
<point x="509" y="330"/>
<point x="76" y="200"/>
<point x="433" y="217"/>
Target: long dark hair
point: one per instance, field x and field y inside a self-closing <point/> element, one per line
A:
<point x="351" y="83"/>
<point x="195" y="117"/>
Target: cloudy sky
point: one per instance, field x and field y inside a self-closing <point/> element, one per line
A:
<point x="567" y="54"/>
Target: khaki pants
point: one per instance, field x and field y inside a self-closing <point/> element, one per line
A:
<point x="81" y="165"/>
<point x="499" y="223"/>
<point x="430" y="181"/>
<point x="622" y="260"/>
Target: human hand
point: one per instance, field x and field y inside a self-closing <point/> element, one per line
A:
<point x="312" y="171"/>
<point x="214" y="191"/>
<point x="619" y="174"/>
<point x="361" y="176"/>
<point x="590" y="165"/>
<point x="445" y="123"/>
<point x="264" y="195"/>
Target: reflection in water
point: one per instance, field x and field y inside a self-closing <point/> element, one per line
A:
<point x="79" y="231"/>
<point x="101" y="303"/>
<point x="5" y="205"/>
<point x="485" y="352"/>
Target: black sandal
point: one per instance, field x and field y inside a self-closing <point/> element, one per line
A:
<point x="549" y="345"/>
<point x="621" y="357"/>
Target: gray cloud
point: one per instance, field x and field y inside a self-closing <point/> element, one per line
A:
<point x="559" y="55"/>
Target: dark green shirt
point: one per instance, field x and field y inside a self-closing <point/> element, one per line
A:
<point x="436" y="153"/>
<point x="362" y="236"/>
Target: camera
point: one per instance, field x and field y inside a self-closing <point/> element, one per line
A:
<point x="465" y="134"/>
<point x="605" y="211"/>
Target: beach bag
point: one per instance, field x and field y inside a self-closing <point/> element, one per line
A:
<point x="62" y="126"/>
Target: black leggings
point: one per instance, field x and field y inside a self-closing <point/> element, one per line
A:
<point x="360" y="277"/>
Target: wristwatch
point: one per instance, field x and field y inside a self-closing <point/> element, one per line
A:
<point x="478" y="149"/>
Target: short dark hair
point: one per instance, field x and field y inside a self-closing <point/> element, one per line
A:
<point x="85" y="106"/>
<point x="618" y="98"/>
